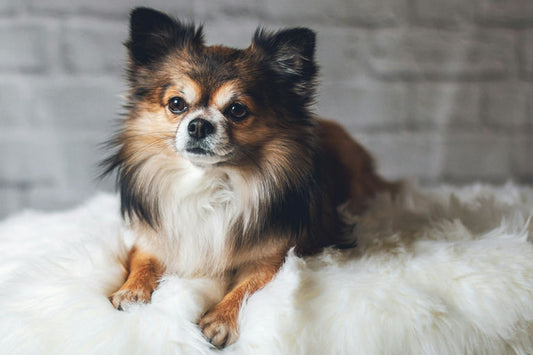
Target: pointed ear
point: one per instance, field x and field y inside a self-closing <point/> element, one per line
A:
<point x="153" y="34"/>
<point x="291" y="53"/>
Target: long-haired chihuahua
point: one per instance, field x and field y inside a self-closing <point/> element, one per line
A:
<point x="221" y="165"/>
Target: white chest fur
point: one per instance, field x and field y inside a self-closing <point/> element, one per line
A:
<point x="197" y="209"/>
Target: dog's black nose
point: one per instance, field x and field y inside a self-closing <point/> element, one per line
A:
<point x="200" y="128"/>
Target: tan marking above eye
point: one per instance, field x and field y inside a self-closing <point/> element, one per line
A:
<point x="224" y="95"/>
<point x="229" y="93"/>
<point x="185" y="88"/>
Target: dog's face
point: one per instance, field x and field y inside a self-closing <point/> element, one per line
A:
<point x="215" y="106"/>
<point x="243" y="113"/>
<point x="216" y="113"/>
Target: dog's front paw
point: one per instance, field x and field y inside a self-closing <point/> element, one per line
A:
<point x="219" y="325"/>
<point x="125" y="296"/>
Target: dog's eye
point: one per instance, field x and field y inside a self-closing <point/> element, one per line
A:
<point x="237" y="111"/>
<point x="177" y="105"/>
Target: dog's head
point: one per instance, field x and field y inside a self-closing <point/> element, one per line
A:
<point x="215" y="105"/>
<point x="243" y="112"/>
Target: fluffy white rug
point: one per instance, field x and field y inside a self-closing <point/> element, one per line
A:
<point x="439" y="271"/>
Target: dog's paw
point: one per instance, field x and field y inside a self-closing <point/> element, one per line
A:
<point x="125" y="296"/>
<point x="219" y="326"/>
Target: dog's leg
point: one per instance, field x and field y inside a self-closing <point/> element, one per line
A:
<point x="144" y="272"/>
<point x="219" y="324"/>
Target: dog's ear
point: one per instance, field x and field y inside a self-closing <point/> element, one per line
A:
<point x="153" y="34"/>
<point x="291" y="54"/>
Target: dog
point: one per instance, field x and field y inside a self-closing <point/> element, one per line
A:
<point x="221" y="165"/>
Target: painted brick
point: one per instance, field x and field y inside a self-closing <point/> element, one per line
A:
<point x="23" y="47"/>
<point x="232" y="11"/>
<point x="94" y="46"/>
<point x="522" y="151"/>
<point x="54" y="6"/>
<point x="8" y="6"/>
<point x="56" y="173"/>
<point x="529" y="112"/>
<point x="83" y="154"/>
<point x="80" y="156"/>
<point x="84" y="105"/>
<point x="361" y="12"/>
<point x="449" y="11"/>
<point x="444" y="105"/>
<point x="229" y="33"/>
<point x="53" y="198"/>
<point x="405" y="154"/>
<point x="527" y="53"/>
<point x="507" y="12"/>
<point x="477" y="155"/>
<point x="30" y="159"/>
<point x="367" y="106"/>
<point x="504" y="105"/>
<point x="182" y="9"/>
<point x="433" y="53"/>
<point x="65" y="195"/>
<point x="510" y="12"/>
<point x="341" y="53"/>
<point x="14" y="108"/>
<point x="116" y="8"/>
<point x="10" y="198"/>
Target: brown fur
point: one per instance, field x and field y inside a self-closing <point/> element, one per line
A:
<point x="352" y="174"/>
<point x="219" y="324"/>
<point x="144" y="271"/>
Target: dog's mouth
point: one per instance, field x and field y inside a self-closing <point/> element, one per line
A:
<point x="199" y="151"/>
<point x="201" y="156"/>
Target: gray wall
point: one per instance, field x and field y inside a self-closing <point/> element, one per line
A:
<point x="441" y="90"/>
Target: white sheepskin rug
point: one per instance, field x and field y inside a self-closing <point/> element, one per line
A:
<point x="437" y="271"/>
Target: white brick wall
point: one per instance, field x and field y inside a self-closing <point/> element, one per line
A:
<point x="442" y="106"/>
<point x="348" y="12"/>
<point x="526" y="50"/>
<point x="23" y="47"/>
<point x="90" y="46"/>
<point x="419" y="53"/>
<point x="365" y="106"/>
<point x="504" y="106"/>
<point x="437" y="89"/>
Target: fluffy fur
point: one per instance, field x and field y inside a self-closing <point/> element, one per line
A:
<point x="222" y="167"/>
<point x="439" y="271"/>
